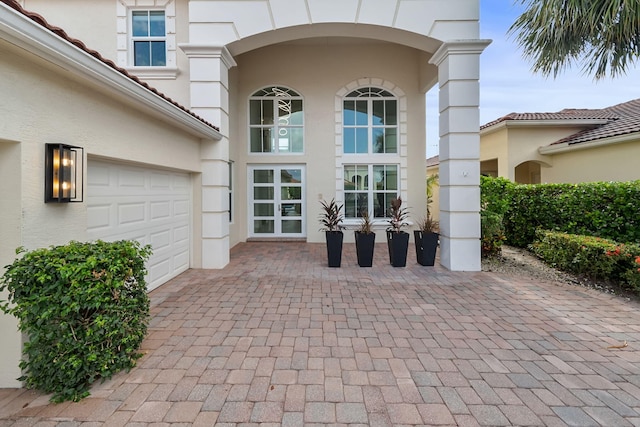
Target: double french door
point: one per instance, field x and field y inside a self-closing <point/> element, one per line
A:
<point x="277" y="201"/>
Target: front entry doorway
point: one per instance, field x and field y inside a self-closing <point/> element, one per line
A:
<point x="277" y="201"/>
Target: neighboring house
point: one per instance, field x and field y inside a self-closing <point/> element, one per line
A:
<point x="572" y="145"/>
<point x="311" y="99"/>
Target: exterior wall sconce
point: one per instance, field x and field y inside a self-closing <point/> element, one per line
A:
<point x="63" y="173"/>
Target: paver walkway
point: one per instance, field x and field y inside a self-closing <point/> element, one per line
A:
<point x="277" y="338"/>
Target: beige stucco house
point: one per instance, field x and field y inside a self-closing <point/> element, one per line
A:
<point x="569" y="146"/>
<point x="214" y="122"/>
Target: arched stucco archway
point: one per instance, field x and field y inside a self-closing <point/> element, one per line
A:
<point x="527" y="173"/>
<point x="444" y="37"/>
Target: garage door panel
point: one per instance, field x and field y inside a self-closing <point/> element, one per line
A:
<point x="149" y="205"/>
<point x="131" y="213"/>
<point x="181" y="208"/>
<point x="99" y="216"/>
<point x="181" y="261"/>
<point x="160" y="240"/>
<point x="181" y="182"/>
<point x="181" y="235"/>
<point x="131" y="178"/>
<point x="160" y="210"/>
<point x="160" y="181"/>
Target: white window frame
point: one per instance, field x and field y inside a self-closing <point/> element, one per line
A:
<point x="368" y="95"/>
<point x="280" y="124"/>
<point x="125" y="58"/>
<point x="148" y="38"/>
<point x="371" y="191"/>
<point x="400" y="158"/>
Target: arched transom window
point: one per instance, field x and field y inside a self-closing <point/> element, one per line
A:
<point x="370" y="122"/>
<point x="276" y="121"/>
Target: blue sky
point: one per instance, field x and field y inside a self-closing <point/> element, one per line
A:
<point x="508" y="85"/>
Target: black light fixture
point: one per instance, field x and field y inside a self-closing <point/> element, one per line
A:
<point x="63" y="173"/>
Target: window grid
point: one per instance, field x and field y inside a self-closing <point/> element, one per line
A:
<point x="276" y="121"/>
<point x="369" y="187"/>
<point x="149" y="38"/>
<point x="370" y="122"/>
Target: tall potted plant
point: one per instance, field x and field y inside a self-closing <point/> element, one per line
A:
<point x="331" y="220"/>
<point x="365" y="241"/>
<point x="426" y="240"/>
<point x="397" y="240"/>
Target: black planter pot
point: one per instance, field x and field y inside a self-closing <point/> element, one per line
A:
<point x="334" y="247"/>
<point x="398" y="243"/>
<point x="426" y="246"/>
<point x="365" y="243"/>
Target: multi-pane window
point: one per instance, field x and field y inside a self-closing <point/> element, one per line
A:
<point x="276" y="121"/>
<point x="149" y="38"/>
<point x="369" y="188"/>
<point x="370" y="122"/>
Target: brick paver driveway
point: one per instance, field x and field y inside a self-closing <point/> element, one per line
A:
<point x="277" y="338"/>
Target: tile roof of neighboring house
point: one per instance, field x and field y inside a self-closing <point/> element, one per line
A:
<point x="626" y="121"/>
<point x="38" y="19"/>
<point x="433" y="161"/>
<point x="620" y="119"/>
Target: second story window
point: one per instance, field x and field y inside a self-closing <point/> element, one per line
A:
<point x="149" y="38"/>
<point x="276" y="121"/>
<point x="370" y="122"/>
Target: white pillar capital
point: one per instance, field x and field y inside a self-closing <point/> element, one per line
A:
<point x="208" y="51"/>
<point x="458" y="47"/>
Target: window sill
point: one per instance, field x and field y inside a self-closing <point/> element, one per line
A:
<point x="154" y="73"/>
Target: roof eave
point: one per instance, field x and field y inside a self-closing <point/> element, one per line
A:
<point x="544" y="123"/>
<point x="565" y="146"/>
<point x="26" y="34"/>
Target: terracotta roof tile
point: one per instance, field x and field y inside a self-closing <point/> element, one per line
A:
<point x="626" y="120"/>
<point x="621" y="119"/>
<point x="433" y="161"/>
<point x="566" y="114"/>
<point x="38" y="19"/>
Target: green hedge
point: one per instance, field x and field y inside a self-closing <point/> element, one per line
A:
<point x="610" y="210"/>
<point x="592" y="257"/>
<point x="495" y="196"/>
<point x="84" y="308"/>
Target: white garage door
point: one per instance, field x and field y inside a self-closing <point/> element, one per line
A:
<point x="151" y="206"/>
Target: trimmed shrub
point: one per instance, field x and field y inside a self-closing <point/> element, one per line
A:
<point x="84" y="308"/>
<point x="610" y="210"/>
<point x="492" y="233"/>
<point x="495" y="195"/>
<point x="593" y="257"/>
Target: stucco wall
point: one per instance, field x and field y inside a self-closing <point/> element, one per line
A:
<point x="616" y="162"/>
<point x="318" y="71"/>
<point x="98" y="31"/>
<point x="514" y="144"/>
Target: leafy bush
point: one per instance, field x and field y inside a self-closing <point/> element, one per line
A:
<point x="495" y="196"/>
<point x="492" y="233"/>
<point x="605" y="209"/>
<point x="592" y="257"/>
<point x="85" y="310"/>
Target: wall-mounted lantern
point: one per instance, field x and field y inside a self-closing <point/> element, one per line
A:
<point x="63" y="173"/>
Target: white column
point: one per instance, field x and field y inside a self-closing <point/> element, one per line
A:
<point x="458" y="65"/>
<point x="209" y="73"/>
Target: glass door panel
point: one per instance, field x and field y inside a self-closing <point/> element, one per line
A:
<point x="277" y="201"/>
